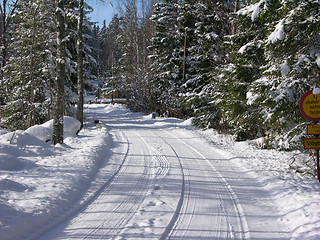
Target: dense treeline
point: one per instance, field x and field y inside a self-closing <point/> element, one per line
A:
<point x="237" y="66"/>
<point x="29" y="57"/>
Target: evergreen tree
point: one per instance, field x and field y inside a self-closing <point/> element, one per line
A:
<point x="28" y="70"/>
<point x="111" y="53"/>
<point x="7" y="11"/>
<point x="206" y="23"/>
<point x="292" y="47"/>
<point x="247" y="56"/>
<point x="165" y="62"/>
<point x="31" y="66"/>
<point x="274" y="60"/>
<point x="128" y="40"/>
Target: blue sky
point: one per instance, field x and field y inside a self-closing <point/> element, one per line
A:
<point x="101" y="11"/>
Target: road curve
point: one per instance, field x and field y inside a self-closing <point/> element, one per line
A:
<point x="171" y="184"/>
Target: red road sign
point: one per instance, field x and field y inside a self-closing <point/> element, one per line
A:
<point x="310" y="106"/>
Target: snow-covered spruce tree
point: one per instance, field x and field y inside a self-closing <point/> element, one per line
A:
<point x="89" y="60"/>
<point x="165" y="67"/>
<point x="247" y="56"/>
<point x="31" y="70"/>
<point x="292" y="49"/>
<point x="205" y="30"/>
<point x="7" y="11"/>
<point x="28" y="72"/>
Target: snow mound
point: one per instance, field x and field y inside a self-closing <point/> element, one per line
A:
<point x="71" y="127"/>
<point x="41" y="132"/>
<point x="187" y="122"/>
<point x="40" y="182"/>
<point x="12" y="158"/>
<point x="23" y="138"/>
<point x="2" y="132"/>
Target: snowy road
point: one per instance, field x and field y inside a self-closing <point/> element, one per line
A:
<point x="169" y="183"/>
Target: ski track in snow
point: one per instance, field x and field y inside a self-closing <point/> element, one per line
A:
<point x="165" y="182"/>
<point x="222" y="213"/>
<point x="164" y="188"/>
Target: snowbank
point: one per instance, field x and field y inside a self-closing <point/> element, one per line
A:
<point x="44" y="132"/>
<point x="39" y="181"/>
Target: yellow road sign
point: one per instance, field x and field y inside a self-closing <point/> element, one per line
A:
<point x="311" y="143"/>
<point x="313" y="129"/>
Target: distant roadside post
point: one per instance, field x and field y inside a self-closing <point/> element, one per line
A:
<point x="309" y="106"/>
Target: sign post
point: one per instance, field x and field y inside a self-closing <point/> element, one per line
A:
<point x="309" y="106"/>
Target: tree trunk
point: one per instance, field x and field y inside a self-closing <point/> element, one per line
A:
<point x="31" y="66"/>
<point x="80" y="64"/>
<point x="58" y="111"/>
<point x="3" y="37"/>
<point x="184" y="57"/>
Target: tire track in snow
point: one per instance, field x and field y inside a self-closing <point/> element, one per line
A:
<point x="47" y="232"/>
<point x="177" y="211"/>
<point x="143" y="225"/>
<point x="113" y="225"/>
<point x="160" y="162"/>
<point x="244" y="229"/>
<point x="79" y="223"/>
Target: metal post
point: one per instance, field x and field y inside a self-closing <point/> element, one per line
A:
<point x="318" y="167"/>
<point x="317" y="154"/>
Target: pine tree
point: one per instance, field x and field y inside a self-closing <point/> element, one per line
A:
<point x="165" y="62"/>
<point x="247" y="56"/>
<point x="205" y="56"/>
<point x="7" y="11"/>
<point x="28" y="70"/>
<point x="292" y="48"/>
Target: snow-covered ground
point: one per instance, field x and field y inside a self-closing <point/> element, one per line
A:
<point x="44" y="186"/>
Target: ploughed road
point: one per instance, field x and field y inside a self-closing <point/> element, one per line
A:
<point x="169" y="183"/>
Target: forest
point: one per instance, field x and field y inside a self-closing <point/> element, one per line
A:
<point x="240" y="67"/>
